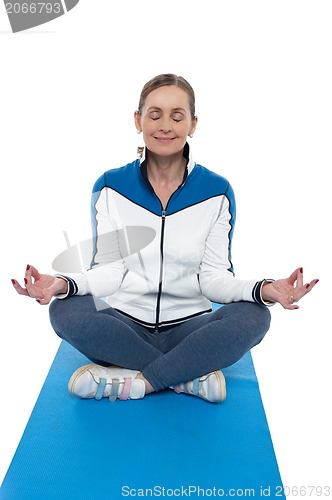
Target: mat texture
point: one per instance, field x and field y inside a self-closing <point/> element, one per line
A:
<point x="164" y="445"/>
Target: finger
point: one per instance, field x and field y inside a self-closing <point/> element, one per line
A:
<point x="293" y="277"/>
<point x="301" y="292"/>
<point x="287" y="305"/>
<point x="33" y="290"/>
<point x="18" y="288"/>
<point x="33" y="272"/>
<point x="309" y="286"/>
<point x="45" y="300"/>
<point x="299" y="277"/>
<point x="291" y="299"/>
<point x="30" y="273"/>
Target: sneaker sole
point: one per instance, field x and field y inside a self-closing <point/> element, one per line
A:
<point x="221" y="385"/>
<point x="221" y="388"/>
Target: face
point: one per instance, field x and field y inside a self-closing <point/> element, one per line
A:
<point x="166" y="120"/>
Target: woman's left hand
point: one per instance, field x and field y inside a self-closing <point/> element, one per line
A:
<point x="286" y="292"/>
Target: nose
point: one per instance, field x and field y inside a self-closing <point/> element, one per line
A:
<point x="164" y="125"/>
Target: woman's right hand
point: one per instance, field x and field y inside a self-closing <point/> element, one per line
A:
<point x="41" y="287"/>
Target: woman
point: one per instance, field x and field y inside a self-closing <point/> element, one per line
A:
<point x="158" y="330"/>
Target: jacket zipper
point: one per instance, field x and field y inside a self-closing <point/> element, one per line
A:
<point x="163" y="219"/>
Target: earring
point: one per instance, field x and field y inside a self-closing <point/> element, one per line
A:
<point x="191" y="136"/>
<point x="138" y="131"/>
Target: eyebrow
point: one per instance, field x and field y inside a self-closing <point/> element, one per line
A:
<point x="155" y="108"/>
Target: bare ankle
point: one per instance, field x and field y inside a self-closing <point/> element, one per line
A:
<point x="148" y="386"/>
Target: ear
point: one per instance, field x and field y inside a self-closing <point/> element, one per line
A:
<point x="193" y="126"/>
<point x="137" y="121"/>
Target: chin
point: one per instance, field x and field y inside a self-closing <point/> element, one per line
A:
<point x="165" y="149"/>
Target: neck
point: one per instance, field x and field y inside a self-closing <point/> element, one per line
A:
<point x="166" y="169"/>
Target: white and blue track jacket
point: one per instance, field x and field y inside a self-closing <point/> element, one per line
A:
<point x="161" y="267"/>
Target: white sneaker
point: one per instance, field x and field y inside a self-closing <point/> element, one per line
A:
<point x="95" y="381"/>
<point x="211" y="387"/>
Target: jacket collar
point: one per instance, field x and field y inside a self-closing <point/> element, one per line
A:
<point x="186" y="153"/>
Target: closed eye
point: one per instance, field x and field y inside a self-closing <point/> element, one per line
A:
<point x="174" y="119"/>
<point x="177" y="117"/>
<point x="157" y="118"/>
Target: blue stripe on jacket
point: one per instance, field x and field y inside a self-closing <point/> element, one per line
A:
<point x="200" y="185"/>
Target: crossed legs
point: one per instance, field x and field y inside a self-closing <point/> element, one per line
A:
<point x="198" y="346"/>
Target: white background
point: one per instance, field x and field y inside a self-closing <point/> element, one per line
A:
<point x="262" y="75"/>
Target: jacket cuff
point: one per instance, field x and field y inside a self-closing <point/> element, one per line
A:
<point x="72" y="287"/>
<point x="257" y="292"/>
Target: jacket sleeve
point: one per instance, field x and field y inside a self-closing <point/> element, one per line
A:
<point x="216" y="277"/>
<point x="107" y="267"/>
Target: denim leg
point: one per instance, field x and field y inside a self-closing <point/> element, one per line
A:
<point x="105" y="336"/>
<point x="207" y="343"/>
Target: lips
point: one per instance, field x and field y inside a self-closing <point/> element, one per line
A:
<point x="164" y="140"/>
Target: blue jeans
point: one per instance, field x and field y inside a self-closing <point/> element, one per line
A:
<point x="198" y="346"/>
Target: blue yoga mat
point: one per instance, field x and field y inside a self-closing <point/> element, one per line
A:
<point x="164" y="445"/>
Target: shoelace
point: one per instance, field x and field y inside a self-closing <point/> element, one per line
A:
<point x="115" y="383"/>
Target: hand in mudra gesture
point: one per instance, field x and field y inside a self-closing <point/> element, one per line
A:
<point x="286" y="292"/>
<point x="41" y="287"/>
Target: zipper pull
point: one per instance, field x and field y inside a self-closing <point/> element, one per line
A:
<point x="163" y="214"/>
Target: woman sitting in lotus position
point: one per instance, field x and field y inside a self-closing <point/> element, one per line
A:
<point x="157" y="329"/>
